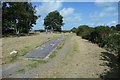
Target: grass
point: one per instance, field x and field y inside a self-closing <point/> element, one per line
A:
<point x="57" y="49"/>
<point x="23" y="45"/>
<point x="35" y="63"/>
<point x="21" y="71"/>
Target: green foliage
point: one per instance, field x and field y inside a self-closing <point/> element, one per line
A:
<point x="74" y="30"/>
<point x="19" y="16"/>
<point x="108" y="38"/>
<point x="84" y="31"/>
<point x="104" y="36"/>
<point x="118" y="27"/>
<point x="95" y="37"/>
<point x="114" y="42"/>
<point x="21" y="70"/>
<point x="66" y="31"/>
<point x="53" y="21"/>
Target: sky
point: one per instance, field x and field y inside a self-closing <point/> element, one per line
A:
<point x="78" y="13"/>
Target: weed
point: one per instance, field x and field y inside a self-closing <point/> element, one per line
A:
<point x="21" y="71"/>
<point x="35" y="63"/>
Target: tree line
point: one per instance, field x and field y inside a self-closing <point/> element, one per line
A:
<point x="19" y="17"/>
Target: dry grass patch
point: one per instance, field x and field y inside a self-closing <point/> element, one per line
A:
<point x="23" y="45"/>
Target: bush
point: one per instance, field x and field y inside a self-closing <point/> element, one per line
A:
<point x="84" y="31"/>
<point x="104" y="36"/>
<point x="107" y="37"/>
<point x="74" y="30"/>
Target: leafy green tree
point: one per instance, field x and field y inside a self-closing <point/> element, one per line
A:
<point x="53" y="21"/>
<point x="19" y="16"/>
<point x="84" y="31"/>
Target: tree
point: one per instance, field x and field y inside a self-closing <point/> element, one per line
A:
<point x="74" y="30"/>
<point x="21" y="16"/>
<point x="53" y="21"/>
<point x="118" y="27"/>
<point x="84" y="31"/>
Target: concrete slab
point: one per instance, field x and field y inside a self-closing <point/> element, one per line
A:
<point x="43" y="52"/>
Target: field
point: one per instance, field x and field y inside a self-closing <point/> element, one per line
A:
<point x="23" y="45"/>
<point x="60" y="39"/>
<point x="74" y="57"/>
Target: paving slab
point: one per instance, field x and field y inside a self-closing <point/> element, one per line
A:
<point x="43" y="52"/>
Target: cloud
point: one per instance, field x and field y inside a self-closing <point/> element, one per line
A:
<point x="52" y="0"/>
<point x="46" y="0"/>
<point x="106" y="0"/>
<point x="66" y="12"/>
<point x="70" y="15"/>
<point x="47" y="7"/>
<point x="106" y="12"/>
<point x="112" y="23"/>
<point x="74" y="0"/>
<point x="103" y="4"/>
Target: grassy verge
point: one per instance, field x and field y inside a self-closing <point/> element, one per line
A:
<point x="35" y="63"/>
<point x="54" y="53"/>
<point x="21" y="71"/>
<point x="23" y="45"/>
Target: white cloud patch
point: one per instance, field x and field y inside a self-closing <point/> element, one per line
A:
<point x="47" y="7"/>
<point x="103" y="4"/>
<point x="106" y="0"/>
<point x="52" y="0"/>
<point x="66" y="12"/>
<point x="46" y="0"/>
<point x="112" y="23"/>
<point x="74" y="0"/>
<point x="70" y="15"/>
<point x="106" y="12"/>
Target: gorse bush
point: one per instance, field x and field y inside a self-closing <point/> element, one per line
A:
<point x="108" y="38"/>
<point x="84" y="31"/>
<point x="104" y="36"/>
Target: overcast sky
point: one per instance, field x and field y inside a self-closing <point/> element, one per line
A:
<point x="79" y="13"/>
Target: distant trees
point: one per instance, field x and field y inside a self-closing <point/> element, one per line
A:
<point x="18" y="17"/>
<point x="53" y="21"/>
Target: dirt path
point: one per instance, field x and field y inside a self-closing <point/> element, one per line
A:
<point x="77" y="59"/>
